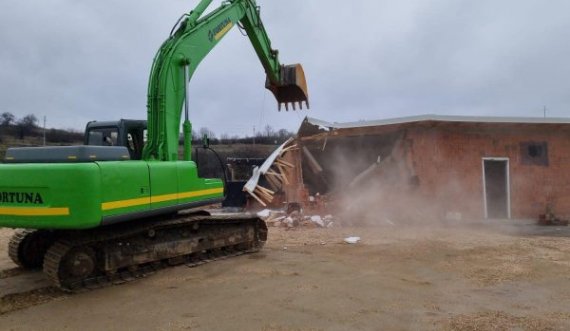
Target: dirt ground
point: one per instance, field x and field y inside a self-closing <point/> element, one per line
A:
<point x="493" y="276"/>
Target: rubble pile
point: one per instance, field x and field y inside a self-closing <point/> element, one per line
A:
<point x="279" y="218"/>
<point x="550" y="219"/>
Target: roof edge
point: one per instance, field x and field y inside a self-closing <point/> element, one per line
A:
<point x="440" y="118"/>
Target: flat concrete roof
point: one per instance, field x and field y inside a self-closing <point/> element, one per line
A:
<point x="439" y="118"/>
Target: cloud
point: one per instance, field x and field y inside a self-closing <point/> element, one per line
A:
<point x="77" y="61"/>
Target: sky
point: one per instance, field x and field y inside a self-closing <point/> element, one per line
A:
<point x="76" y="61"/>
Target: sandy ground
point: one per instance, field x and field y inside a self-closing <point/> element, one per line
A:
<point x="511" y="277"/>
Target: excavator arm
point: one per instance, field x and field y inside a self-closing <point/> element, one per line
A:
<point x="180" y="55"/>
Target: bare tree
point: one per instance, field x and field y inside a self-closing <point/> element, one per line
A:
<point x="268" y="131"/>
<point x="225" y="138"/>
<point x="204" y="132"/>
<point x="195" y="136"/>
<point x="284" y="134"/>
<point x="29" y="121"/>
<point x="27" y="124"/>
<point x="7" y="119"/>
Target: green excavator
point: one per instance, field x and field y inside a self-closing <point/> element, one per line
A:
<point x="119" y="206"/>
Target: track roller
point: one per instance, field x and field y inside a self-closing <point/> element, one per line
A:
<point x="67" y="265"/>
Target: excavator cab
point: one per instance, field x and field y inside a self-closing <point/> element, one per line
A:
<point x="127" y="133"/>
<point x="292" y="88"/>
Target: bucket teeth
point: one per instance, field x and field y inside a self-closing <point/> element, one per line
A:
<point x="294" y="105"/>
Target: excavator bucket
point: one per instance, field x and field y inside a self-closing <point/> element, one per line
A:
<point x="292" y="88"/>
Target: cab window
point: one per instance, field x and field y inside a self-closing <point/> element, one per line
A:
<point x="103" y="137"/>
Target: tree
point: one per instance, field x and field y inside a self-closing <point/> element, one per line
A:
<point x="29" y="121"/>
<point x="205" y="131"/>
<point x="195" y="136"/>
<point x="7" y="119"/>
<point x="27" y="124"/>
<point x="269" y="131"/>
<point x="283" y="134"/>
<point x="225" y="138"/>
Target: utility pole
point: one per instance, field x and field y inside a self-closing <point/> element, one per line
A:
<point x="44" y="130"/>
<point x="254" y="135"/>
<point x="544" y="111"/>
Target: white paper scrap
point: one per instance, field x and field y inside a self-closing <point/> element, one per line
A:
<point x="351" y="240"/>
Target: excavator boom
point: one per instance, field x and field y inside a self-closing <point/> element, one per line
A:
<point x="179" y="56"/>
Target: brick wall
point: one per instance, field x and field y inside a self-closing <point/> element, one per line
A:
<point x="447" y="158"/>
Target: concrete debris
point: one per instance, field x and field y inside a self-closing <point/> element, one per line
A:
<point x="550" y="219"/>
<point x="318" y="220"/>
<point x="352" y="240"/>
<point x="322" y="222"/>
<point x="290" y="222"/>
<point x="278" y="218"/>
<point x="264" y="213"/>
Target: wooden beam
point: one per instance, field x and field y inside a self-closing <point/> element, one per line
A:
<point x="274" y="186"/>
<point x="284" y="163"/>
<point x="265" y="189"/>
<point x="273" y="173"/>
<point x="289" y="148"/>
<point x="257" y="198"/>
<point x="284" y="176"/>
<point x="264" y="196"/>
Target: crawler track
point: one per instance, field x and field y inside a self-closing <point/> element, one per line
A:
<point x="92" y="259"/>
<point x="142" y="271"/>
<point x="27" y="247"/>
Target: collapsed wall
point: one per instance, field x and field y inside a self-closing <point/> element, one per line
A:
<point x="365" y="176"/>
<point x="430" y="169"/>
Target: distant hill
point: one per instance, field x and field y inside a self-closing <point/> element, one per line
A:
<point x="18" y="136"/>
<point x="13" y="136"/>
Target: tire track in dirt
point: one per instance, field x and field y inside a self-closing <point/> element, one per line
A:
<point x="17" y="301"/>
<point x="21" y="288"/>
<point x="11" y="272"/>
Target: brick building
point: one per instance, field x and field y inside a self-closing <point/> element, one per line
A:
<point x="443" y="166"/>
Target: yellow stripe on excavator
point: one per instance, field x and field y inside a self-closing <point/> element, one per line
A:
<point x="158" y="198"/>
<point x="34" y="211"/>
<point x="124" y="203"/>
<point x="194" y="194"/>
<point x="223" y="31"/>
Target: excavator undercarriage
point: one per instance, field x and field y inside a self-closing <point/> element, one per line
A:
<point x="76" y="260"/>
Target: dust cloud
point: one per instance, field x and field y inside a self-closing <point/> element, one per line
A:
<point x="370" y="189"/>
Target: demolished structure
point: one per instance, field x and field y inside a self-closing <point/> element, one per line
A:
<point x="413" y="168"/>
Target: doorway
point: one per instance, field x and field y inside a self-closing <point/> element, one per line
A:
<point x="496" y="188"/>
